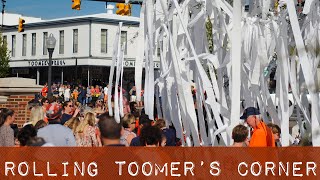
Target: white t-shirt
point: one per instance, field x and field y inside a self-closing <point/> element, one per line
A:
<point x="61" y="91"/>
<point x="67" y="93"/>
<point x="105" y="90"/>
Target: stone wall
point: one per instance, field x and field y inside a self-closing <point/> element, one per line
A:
<point x="19" y="103"/>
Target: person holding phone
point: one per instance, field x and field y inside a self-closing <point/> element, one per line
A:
<point x="68" y="111"/>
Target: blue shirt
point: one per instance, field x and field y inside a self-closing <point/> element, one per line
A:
<point x="170" y="135"/>
<point x="83" y="92"/>
<point x="135" y="141"/>
<point x="65" y="118"/>
<point x="57" y="135"/>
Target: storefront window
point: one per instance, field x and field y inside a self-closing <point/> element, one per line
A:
<point x="4" y="39"/>
<point x="45" y="37"/>
<point x="75" y="41"/>
<point x="33" y="51"/>
<point x="124" y="40"/>
<point x="24" y="45"/>
<point x="13" y="48"/>
<point x="104" y="37"/>
<point x="61" y="43"/>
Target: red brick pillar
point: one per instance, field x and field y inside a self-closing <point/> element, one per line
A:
<point x="19" y="103"/>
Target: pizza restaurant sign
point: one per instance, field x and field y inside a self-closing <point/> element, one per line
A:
<point x="46" y="63"/>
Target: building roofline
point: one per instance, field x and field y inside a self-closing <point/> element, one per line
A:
<point x="104" y="18"/>
<point x="19" y="14"/>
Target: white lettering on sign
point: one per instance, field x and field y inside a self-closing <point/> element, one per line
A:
<point x="46" y="63"/>
<point x="133" y="64"/>
<point x="129" y="63"/>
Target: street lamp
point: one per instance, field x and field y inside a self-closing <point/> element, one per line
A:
<point x="51" y="43"/>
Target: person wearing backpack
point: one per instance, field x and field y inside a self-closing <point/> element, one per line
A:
<point x="261" y="135"/>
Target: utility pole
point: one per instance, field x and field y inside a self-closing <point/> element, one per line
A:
<point x="3" y="6"/>
<point x="76" y="80"/>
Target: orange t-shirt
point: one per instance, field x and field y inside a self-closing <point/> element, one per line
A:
<point x="75" y="94"/>
<point x="260" y="137"/>
<point x="138" y="127"/>
<point x="44" y="91"/>
<point x="45" y="118"/>
<point x="92" y="91"/>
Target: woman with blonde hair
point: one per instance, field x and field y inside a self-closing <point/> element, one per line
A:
<point x="98" y="109"/>
<point x="77" y="104"/>
<point x="73" y="123"/>
<point x="86" y="132"/>
<point x="36" y="115"/>
<point x="129" y="123"/>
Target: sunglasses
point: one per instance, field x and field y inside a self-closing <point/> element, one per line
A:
<point x="46" y="102"/>
<point x="133" y="123"/>
<point x="70" y="106"/>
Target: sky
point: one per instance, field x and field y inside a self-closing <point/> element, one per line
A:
<point x="51" y="9"/>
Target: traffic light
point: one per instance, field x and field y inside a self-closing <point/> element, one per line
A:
<point x="127" y="9"/>
<point x="76" y="4"/>
<point x="120" y="7"/>
<point x="21" y="25"/>
<point x="123" y="9"/>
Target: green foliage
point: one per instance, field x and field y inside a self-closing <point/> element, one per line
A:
<point x="4" y="58"/>
<point x="210" y="45"/>
<point x="209" y="34"/>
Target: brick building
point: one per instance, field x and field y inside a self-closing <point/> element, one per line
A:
<point x="15" y="93"/>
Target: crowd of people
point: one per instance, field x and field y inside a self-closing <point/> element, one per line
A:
<point x="78" y="93"/>
<point x="79" y="117"/>
<point x="76" y="119"/>
<point x="85" y="94"/>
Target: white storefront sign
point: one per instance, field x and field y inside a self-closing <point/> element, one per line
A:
<point x="46" y="63"/>
<point x="133" y="64"/>
<point x="42" y="63"/>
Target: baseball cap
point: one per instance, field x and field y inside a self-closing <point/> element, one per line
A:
<point x="54" y="111"/>
<point x="249" y="111"/>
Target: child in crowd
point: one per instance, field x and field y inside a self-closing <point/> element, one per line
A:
<point x="240" y="136"/>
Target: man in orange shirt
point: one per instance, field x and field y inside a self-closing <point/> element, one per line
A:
<point x="75" y="94"/>
<point x="261" y="134"/>
<point x="44" y="90"/>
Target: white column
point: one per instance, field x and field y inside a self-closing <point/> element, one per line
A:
<point x="236" y="66"/>
<point x="38" y="76"/>
<point x="61" y="75"/>
<point x="88" y="76"/>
